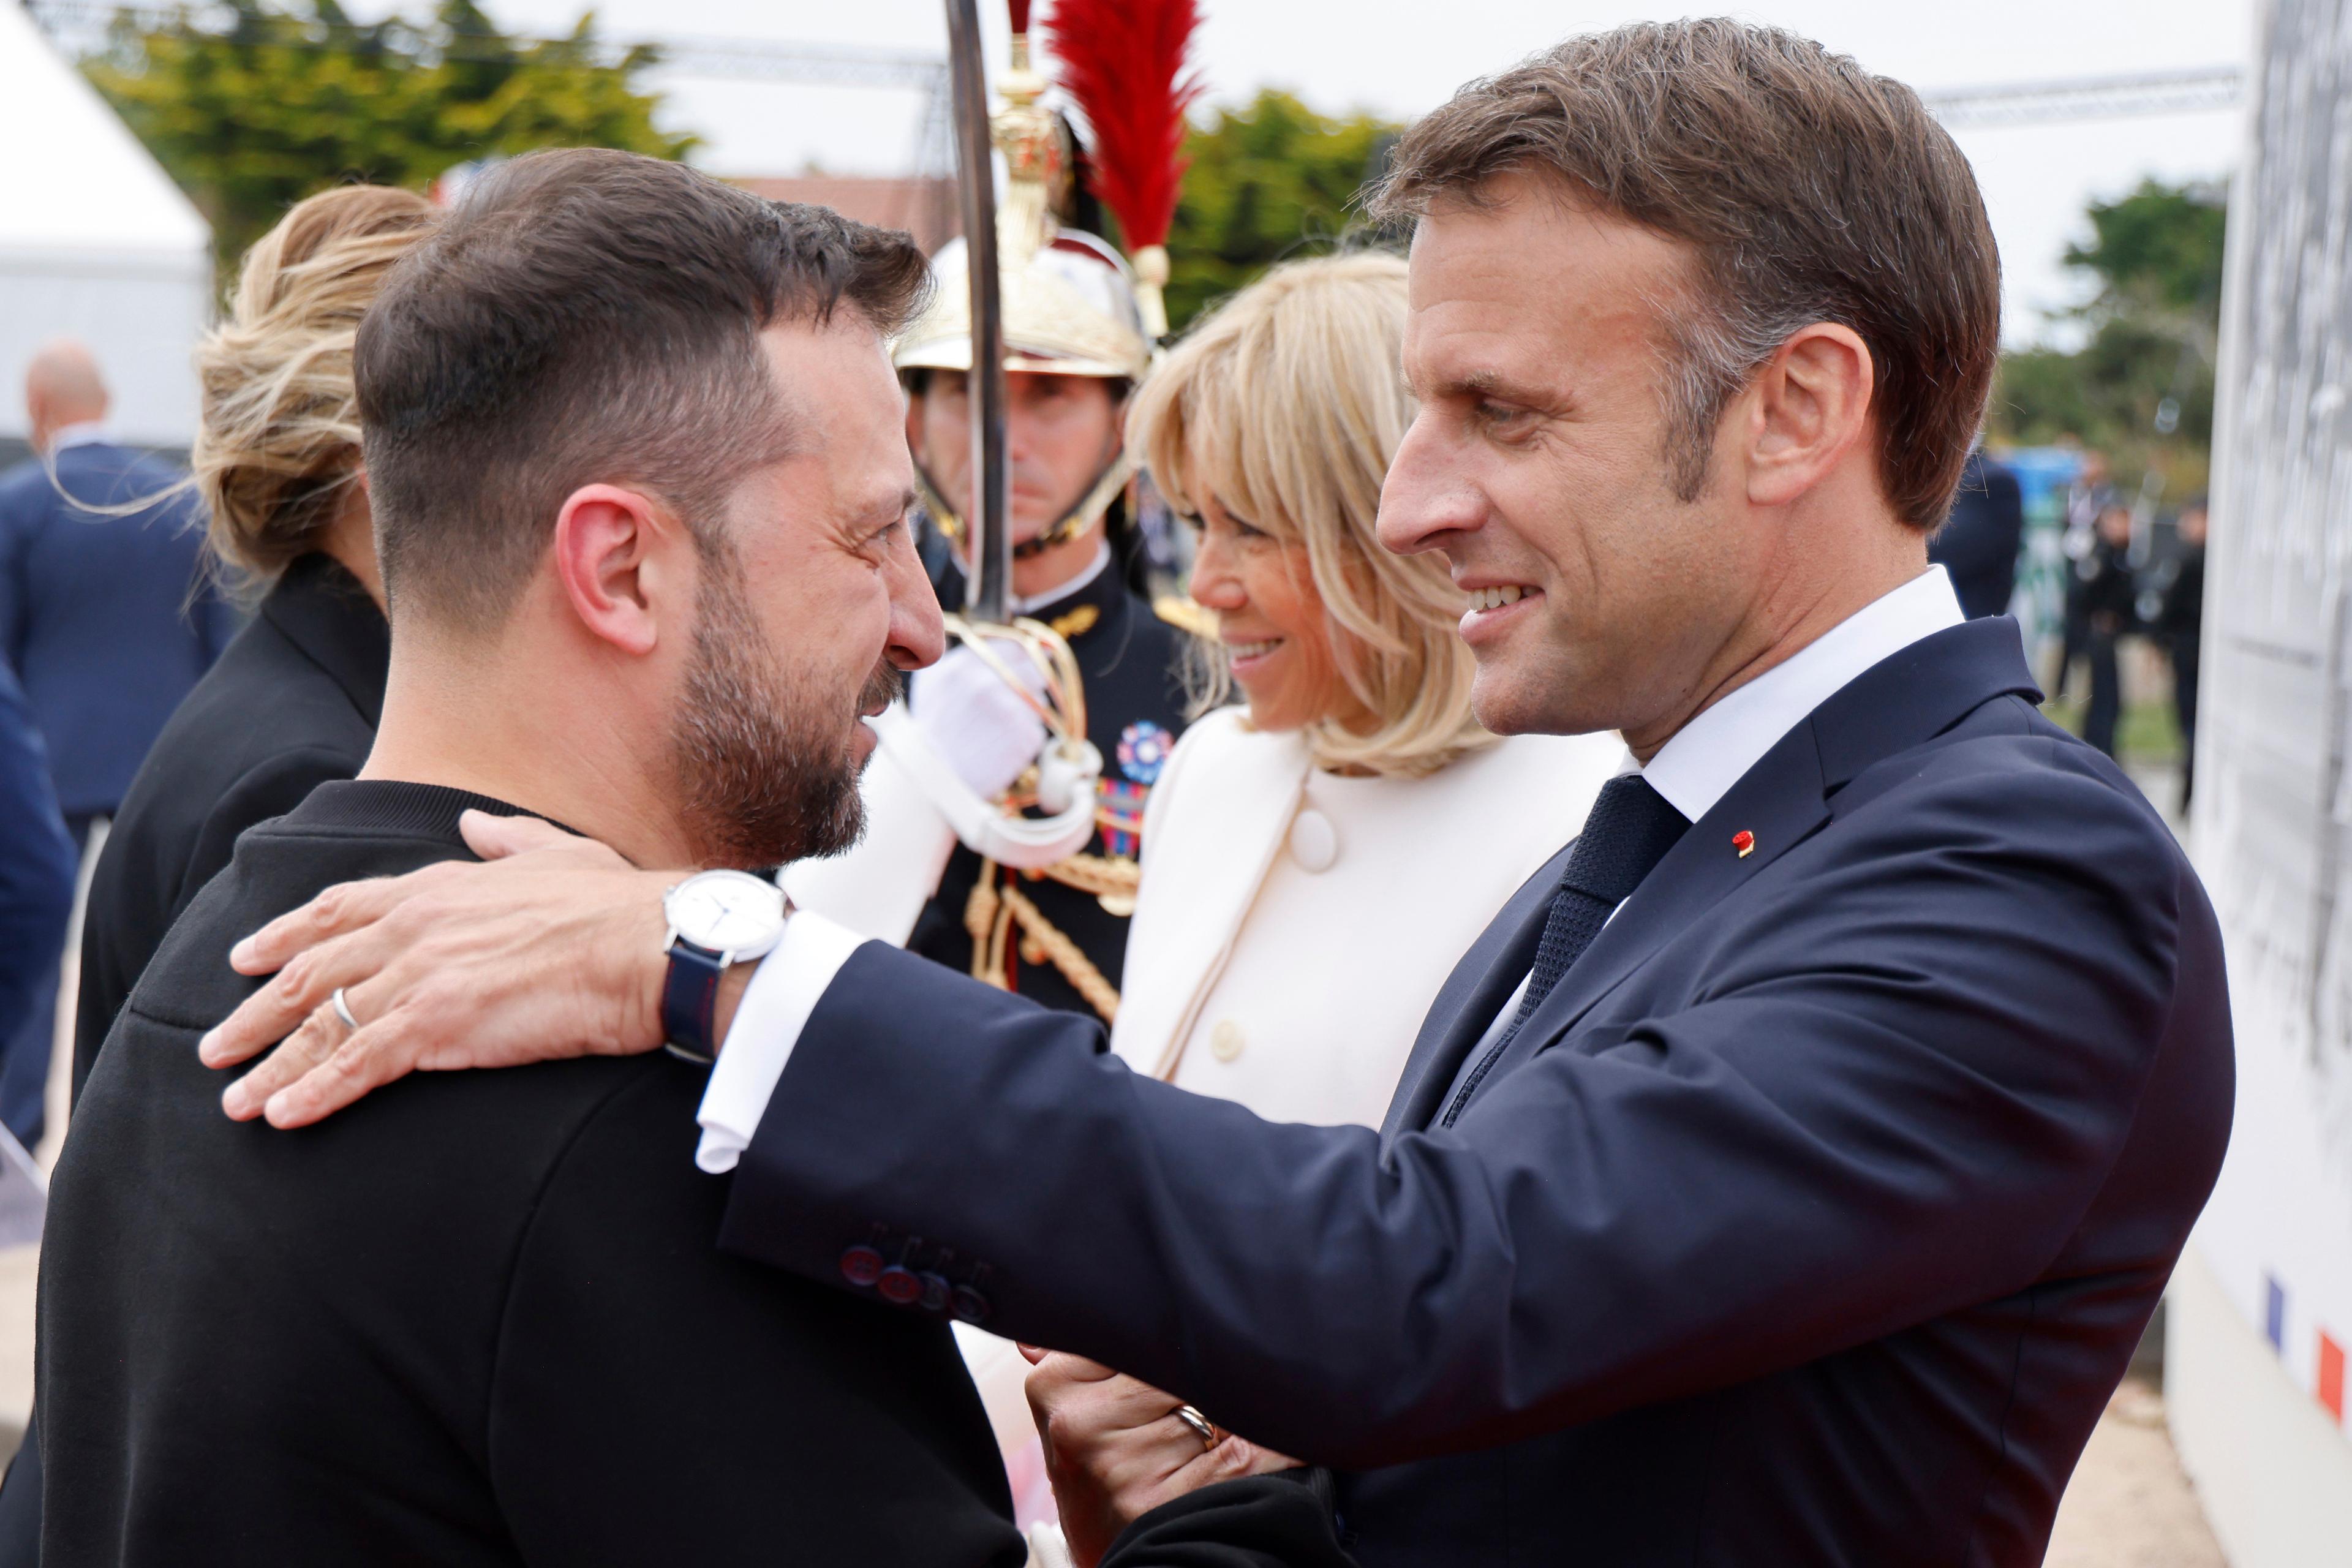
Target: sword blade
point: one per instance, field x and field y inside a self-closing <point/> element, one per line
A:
<point x="988" y="538"/>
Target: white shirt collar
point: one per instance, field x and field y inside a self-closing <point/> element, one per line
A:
<point x="1060" y="592"/>
<point x="1705" y="757"/>
<point x="89" y="432"/>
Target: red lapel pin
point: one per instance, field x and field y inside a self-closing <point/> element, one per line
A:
<point x="1745" y="842"/>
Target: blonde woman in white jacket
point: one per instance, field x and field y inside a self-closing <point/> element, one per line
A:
<point x="1315" y="861"/>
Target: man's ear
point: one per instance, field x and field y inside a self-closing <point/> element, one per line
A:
<point x="1812" y="404"/>
<point x="617" y="555"/>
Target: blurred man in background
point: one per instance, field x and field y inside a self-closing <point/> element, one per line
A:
<point x="37" y="865"/>
<point x="1979" y="543"/>
<point x="2103" y="586"/>
<point x="2089" y="493"/>
<point x="106" y="619"/>
<point x="2181" y="624"/>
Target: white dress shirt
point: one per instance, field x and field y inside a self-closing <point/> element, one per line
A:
<point x="1693" y="770"/>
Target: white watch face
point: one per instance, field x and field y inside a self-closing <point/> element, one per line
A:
<point x="727" y="911"/>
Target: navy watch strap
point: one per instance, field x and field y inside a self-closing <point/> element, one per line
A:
<point x="690" y="1001"/>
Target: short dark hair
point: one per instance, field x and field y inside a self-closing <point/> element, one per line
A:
<point x="1808" y="189"/>
<point x="589" y="315"/>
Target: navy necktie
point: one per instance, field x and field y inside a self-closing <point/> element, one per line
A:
<point x="1629" y="831"/>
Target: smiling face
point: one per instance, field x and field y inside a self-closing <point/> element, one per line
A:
<point x="1271" y="620"/>
<point x="1538" y="464"/>
<point x="806" y="608"/>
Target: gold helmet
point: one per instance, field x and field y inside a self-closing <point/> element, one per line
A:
<point x="1068" y="299"/>
<point x="1069" y="309"/>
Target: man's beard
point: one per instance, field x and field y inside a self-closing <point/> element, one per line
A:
<point x="766" y="763"/>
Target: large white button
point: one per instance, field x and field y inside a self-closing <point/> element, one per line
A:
<point x="1225" y="1040"/>
<point x="1314" y="842"/>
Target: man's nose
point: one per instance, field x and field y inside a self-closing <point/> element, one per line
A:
<point x="1426" y="495"/>
<point x="1019" y="435"/>
<point x="917" y="635"/>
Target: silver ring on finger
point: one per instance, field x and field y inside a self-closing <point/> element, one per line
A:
<point x="1203" y="1428"/>
<point x="343" y="1011"/>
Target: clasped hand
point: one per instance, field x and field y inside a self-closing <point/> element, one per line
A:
<point x="1115" y="1450"/>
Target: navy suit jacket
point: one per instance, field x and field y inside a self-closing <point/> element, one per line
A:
<point x="1810" y="1220"/>
<point x="106" y="620"/>
<point x="36" y="863"/>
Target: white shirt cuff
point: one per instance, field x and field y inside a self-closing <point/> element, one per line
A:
<point x="784" y="990"/>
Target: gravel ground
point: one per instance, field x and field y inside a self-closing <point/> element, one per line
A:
<point x="2130" y="1506"/>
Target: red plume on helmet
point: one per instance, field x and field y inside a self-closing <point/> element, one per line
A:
<point x="1123" y="61"/>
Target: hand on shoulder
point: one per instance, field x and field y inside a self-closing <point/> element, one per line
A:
<point x="553" y="948"/>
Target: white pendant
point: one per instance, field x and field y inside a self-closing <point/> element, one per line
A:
<point x="1314" y="842"/>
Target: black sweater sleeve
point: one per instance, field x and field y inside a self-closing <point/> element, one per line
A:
<point x="1264" y="1521"/>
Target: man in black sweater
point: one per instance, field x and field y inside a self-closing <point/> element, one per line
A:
<point x="645" y="577"/>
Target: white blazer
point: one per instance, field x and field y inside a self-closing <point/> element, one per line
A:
<point x="1294" y="926"/>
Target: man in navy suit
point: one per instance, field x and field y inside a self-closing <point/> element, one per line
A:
<point x="1788" y="1174"/>
<point x="36" y="864"/>
<point x="106" y="618"/>
<point x="1978" y="543"/>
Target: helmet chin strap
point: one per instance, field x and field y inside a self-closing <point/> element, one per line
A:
<point x="1068" y="526"/>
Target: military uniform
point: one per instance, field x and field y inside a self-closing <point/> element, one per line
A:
<point x="1135" y="711"/>
<point x="1054" y="927"/>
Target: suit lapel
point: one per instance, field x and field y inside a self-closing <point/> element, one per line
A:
<point x="1900" y="702"/>
<point x="1779" y="802"/>
<point x="1471" y="997"/>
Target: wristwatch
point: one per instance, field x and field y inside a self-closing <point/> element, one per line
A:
<point x="716" y="919"/>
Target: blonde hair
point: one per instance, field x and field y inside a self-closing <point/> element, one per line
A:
<point x="1287" y="403"/>
<point x="280" y="435"/>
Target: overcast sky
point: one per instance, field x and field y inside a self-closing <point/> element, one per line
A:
<point x="1400" y="59"/>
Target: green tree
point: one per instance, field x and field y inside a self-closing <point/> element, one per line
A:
<point x="2157" y="249"/>
<point x="2154" y="327"/>
<point x="253" y="115"/>
<point x="1268" y="181"/>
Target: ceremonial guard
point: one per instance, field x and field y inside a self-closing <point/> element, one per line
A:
<point x="1011" y="899"/>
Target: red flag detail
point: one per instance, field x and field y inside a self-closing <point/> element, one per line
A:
<point x="1020" y="9"/>
<point x="1123" y="61"/>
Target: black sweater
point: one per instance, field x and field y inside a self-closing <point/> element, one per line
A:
<point x="477" y="1319"/>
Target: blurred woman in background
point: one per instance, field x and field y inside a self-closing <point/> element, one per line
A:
<point x="293" y="701"/>
<point x="1315" y="860"/>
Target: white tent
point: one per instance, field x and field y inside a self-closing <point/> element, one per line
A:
<point x="95" y="243"/>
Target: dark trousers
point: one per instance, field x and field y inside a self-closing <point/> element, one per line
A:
<point x="2106" y="693"/>
<point x="25" y="1059"/>
<point x="2074" y="624"/>
<point x="2184" y="708"/>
